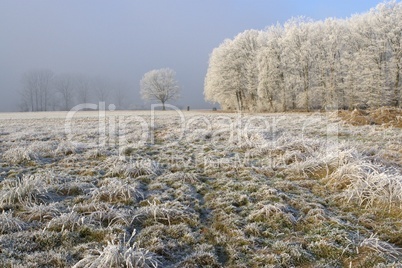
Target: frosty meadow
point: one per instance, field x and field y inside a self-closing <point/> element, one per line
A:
<point x="201" y="188"/>
<point x="112" y="127"/>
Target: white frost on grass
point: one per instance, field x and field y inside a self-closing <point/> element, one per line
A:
<point x="19" y="154"/>
<point x="28" y="190"/>
<point x="122" y="253"/>
<point x="275" y="194"/>
<point x="117" y="190"/>
<point x="10" y="224"/>
<point x="131" y="168"/>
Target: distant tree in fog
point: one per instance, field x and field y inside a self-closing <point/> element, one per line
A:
<point x="64" y="84"/>
<point x="120" y="99"/>
<point x="45" y="91"/>
<point x="36" y="94"/>
<point x="83" y="88"/>
<point x="102" y="88"/>
<point x="160" y="85"/>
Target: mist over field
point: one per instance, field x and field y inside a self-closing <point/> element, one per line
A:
<point x="120" y="41"/>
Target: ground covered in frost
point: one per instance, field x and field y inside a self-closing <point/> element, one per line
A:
<point x="198" y="189"/>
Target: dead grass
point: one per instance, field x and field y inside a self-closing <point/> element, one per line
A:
<point x="386" y="116"/>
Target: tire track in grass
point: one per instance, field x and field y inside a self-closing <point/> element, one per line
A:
<point x="205" y="214"/>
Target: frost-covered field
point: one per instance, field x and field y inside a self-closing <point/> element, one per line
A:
<point x="198" y="189"/>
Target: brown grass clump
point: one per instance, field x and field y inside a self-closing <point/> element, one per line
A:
<point x="387" y="116"/>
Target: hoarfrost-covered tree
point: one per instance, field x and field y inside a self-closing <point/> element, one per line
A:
<point x="309" y="65"/>
<point x="160" y="85"/>
<point x="220" y="84"/>
<point x="246" y="49"/>
<point x="387" y="19"/>
<point x="232" y="77"/>
<point x="271" y="86"/>
<point x="300" y="51"/>
<point x="332" y="45"/>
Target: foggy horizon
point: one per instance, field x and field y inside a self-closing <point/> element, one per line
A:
<point x="123" y="40"/>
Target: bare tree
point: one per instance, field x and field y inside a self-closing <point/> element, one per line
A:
<point x="159" y="85"/>
<point x="64" y="84"/>
<point x="102" y="88"/>
<point x="36" y="92"/>
<point x="23" y="105"/>
<point x="82" y="84"/>
<point x="120" y="98"/>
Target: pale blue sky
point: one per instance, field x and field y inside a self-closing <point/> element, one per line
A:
<point x="124" y="39"/>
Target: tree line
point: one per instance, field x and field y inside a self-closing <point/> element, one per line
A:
<point x="44" y="90"/>
<point x="308" y="65"/>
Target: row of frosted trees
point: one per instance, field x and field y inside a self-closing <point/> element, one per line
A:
<point x="308" y="65"/>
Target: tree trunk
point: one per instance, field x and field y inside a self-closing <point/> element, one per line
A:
<point x="306" y="90"/>
<point x="36" y="100"/>
<point x="239" y="101"/>
<point x="284" y="103"/>
<point x="45" y="100"/>
<point x="32" y="100"/>
<point x="397" y="92"/>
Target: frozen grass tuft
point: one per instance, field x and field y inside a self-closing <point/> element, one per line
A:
<point x="134" y="168"/>
<point x="123" y="253"/>
<point x="110" y="216"/>
<point x="366" y="183"/>
<point x="171" y="212"/>
<point x="184" y="177"/>
<point x="41" y="212"/>
<point x="115" y="190"/>
<point x="270" y="212"/>
<point x="43" y="148"/>
<point x="66" y="221"/>
<point x="10" y="224"/>
<point x="200" y="259"/>
<point x="381" y="247"/>
<point x="377" y="188"/>
<point x="19" y="155"/>
<point x="28" y="190"/>
<point x="103" y="215"/>
<point x="66" y="148"/>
